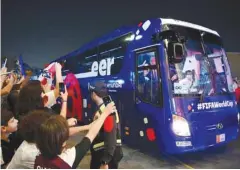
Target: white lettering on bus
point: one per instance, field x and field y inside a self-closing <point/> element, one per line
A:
<point x="103" y="68"/>
<point x="213" y="105"/>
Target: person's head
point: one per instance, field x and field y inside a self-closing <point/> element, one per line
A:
<point x="152" y="60"/>
<point x="8" y="123"/>
<point x="189" y="75"/>
<point x="30" y="124"/>
<point x="30" y="97"/>
<point x="16" y="87"/>
<point x="52" y="136"/>
<point x="98" y="90"/>
<point x="235" y="80"/>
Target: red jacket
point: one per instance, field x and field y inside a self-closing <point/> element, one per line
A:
<point x="237" y="91"/>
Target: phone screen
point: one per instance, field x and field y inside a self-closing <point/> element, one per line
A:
<point x="107" y="100"/>
<point x="61" y="87"/>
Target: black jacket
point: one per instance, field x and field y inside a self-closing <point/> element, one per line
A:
<point x="109" y="138"/>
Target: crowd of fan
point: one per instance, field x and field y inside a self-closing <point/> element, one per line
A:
<point x="33" y="135"/>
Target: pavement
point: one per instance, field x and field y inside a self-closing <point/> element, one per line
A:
<point x="226" y="157"/>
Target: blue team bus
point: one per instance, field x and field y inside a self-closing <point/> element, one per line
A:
<point x="170" y="80"/>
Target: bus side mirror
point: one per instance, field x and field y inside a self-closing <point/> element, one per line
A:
<point x="175" y="52"/>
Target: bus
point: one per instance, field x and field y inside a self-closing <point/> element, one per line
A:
<point x="170" y="80"/>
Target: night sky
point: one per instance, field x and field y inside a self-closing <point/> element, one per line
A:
<point x="42" y="30"/>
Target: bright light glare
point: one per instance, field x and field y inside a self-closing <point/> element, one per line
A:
<point x="238" y="116"/>
<point x="130" y="38"/>
<point x="138" y="37"/>
<point x="180" y="126"/>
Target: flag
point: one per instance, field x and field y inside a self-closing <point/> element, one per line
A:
<point x="21" y="66"/>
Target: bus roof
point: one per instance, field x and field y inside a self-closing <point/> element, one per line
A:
<point x="187" y="24"/>
<point x="124" y="30"/>
<point x="105" y="38"/>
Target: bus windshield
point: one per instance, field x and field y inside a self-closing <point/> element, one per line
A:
<point x="205" y="68"/>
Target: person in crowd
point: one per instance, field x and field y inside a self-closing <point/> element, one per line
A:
<point x="32" y="97"/>
<point x="106" y="149"/>
<point x="235" y="83"/>
<point x="26" y="154"/>
<point x="55" y="132"/>
<point x="49" y="90"/>
<point x="3" y="76"/>
<point x="7" y="84"/>
<point x="12" y="101"/>
<point x="8" y="125"/>
<point x="22" y="82"/>
<point x="237" y="92"/>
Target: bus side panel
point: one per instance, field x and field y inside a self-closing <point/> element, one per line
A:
<point x="166" y="133"/>
<point x="141" y="123"/>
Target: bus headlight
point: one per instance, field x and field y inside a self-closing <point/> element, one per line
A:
<point x="180" y="126"/>
<point x="238" y="117"/>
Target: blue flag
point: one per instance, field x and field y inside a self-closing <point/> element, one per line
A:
<point x="21" y="67"/>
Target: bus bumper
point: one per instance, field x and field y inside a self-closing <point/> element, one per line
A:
<point x="193" y="144"/>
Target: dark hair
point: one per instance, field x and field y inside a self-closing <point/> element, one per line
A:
<point x="51" y="136"/>
<point x="12" y="100"/>
<point x="16" y="87"/>
<point x="30" y="97"/>
<point x="6" y="115"/>
<point x="30" y="124"/>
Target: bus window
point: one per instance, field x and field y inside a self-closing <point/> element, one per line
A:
<point x="71" y="65"/>
<point x="148" y="87"/>
<point x="115" y="49"/>
<point x="85" y="60"/>
<point x="118" y="55"/>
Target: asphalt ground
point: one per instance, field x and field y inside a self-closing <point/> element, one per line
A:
<point x="224" y="157"/>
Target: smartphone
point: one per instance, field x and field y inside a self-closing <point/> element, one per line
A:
<point x="61" y="87"/>
<point x="5" y="63"/>
<point x="107" y="100"/>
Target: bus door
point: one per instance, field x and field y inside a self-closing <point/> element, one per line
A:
<point x="148" y="97"/>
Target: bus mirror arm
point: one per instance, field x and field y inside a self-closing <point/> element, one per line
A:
<point x="171" y="35"/>
<point x="175" y="52"/>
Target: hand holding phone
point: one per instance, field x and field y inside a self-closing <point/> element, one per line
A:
<point x="5" y="63"/>
<point x="107" y="100"/>
<point x="63" y="92"/>
<point x="61" y="87"/>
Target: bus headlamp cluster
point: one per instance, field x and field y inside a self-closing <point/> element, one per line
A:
<point x="180" y="126"/>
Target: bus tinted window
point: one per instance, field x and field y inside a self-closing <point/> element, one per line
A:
<point x="86" y="59"/>
<point x="148" y="86"/>
<point x="71" y="65"/>
<point x="81" y="62"/>
<point x="114" y="49"/>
